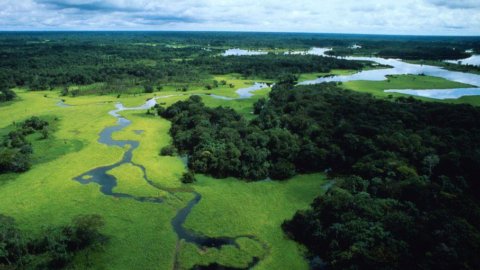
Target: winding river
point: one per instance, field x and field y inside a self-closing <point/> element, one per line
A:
<point x="108" y="182"/>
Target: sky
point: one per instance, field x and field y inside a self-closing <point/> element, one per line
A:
<point x="416" y="17"/>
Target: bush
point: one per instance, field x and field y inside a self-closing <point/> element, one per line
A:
<point x="34" y="123"/>
<point x="148" y="89"/>
<point x="282" y="170"/>
<point x="188" y="178"/>
<point x="168" y="150"/>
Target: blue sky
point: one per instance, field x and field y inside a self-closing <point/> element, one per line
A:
<point x="423" y="17"/>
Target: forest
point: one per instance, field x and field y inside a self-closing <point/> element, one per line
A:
<point x="405" y="170"/>
<point x="44" y="61"/>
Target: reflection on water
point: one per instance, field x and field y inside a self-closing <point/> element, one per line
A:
<point x="240" y="52"/>
<point x="401" y="68"/>
<point x="312" y="51"/>
<point x="439" y="93"/>
<point x="472" y="60"/>
<point x="398" y="67"/>
<point x="243" y="93"/>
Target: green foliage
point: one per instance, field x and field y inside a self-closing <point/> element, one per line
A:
<point x="15" y="150"/>
<point x="407" y="198"/>
<point x="410" y="48"/>
<point x="169" y="150"/>
<point x="55" y="248"/>
<point x="6" y="94"/>
<point x="148" y="89"/>
<point x="188" y="178"/>
<point x="410" y="224"/>
<point x="272" y="66"/>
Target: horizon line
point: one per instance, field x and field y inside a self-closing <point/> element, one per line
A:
<point x="229" y="31"/>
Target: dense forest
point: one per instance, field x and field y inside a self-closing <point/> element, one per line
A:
<point x="42" y="61"/>
<point x="272" y="66"/>
<point x="53" y="248"/>
<point x="405" y="169"/>
<point x="405" y="50"/>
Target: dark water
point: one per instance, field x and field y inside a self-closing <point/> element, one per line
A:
<point x="108" y="182"/>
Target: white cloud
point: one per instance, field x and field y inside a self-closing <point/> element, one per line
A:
<point x="348" y="16"/>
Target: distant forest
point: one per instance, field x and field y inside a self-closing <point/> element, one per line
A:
<point x="407" y="178"/>
<point x="42" y="61"/>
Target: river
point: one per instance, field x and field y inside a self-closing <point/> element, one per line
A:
<point x="108" y="182"/>
<point x="397" y="67"/>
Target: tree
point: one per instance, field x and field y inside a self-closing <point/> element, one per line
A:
<point x="188" y="177"/>
<point x="148" y="89"/>
<point x="64" y="92"/>
<point x="258" y="106"/>
<point x="44" y="132"/>
<point x="169" y="150"/>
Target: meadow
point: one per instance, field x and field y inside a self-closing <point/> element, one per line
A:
<point x="140" y="232"/>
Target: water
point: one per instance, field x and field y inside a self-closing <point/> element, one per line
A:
<point x="108" y="182"/>
<point x="399" y="67"/>
<point x="243" y="93"/>
<point x="61" y="103"/>
<point x="472" y="60"/>
<point x="242" y="52"/>
<point x="312" y="51"/>
<point x="438" y="94"/>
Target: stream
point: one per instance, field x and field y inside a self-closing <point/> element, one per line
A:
<point x="108" y="182"/>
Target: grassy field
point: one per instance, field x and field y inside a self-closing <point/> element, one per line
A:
<point x="140" y="234"/>
<point x="334" y="72"/>
<point x="262" y="206"/>
<point x="377" y="88"/>
<point x="446" y="65"/>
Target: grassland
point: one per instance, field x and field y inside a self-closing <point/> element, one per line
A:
<point x="140" y="234"/>
<point x="335" y="72"/>
<point x="377" y="88"/>
<point x="447" y="66"/>
<point x="263" y="206"/>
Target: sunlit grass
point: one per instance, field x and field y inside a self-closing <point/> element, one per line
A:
<point x="140" y="234"/>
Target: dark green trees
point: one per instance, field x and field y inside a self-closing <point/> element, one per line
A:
<point x="15" y="150"/>
<point x="6" y="94"/>
<point x="407" y="171"/>
<point x="55" y="248"/>
<point x="188" y="178"/>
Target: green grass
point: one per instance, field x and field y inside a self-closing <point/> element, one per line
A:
<point x="377" y="88"/>
<point x="141" y="236"/>
<point x="335" y="72"/>
<point x="445" y="65"/>
<point x="257" y="209"/>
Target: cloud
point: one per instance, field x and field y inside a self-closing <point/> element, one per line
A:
<point x="101" y="6"/>
<point x="456" y="4"/>
<point x="350" y="16"/>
